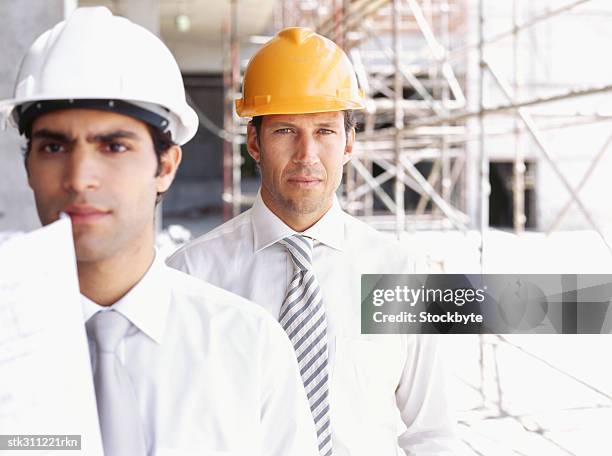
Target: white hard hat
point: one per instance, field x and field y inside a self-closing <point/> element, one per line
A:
<point x="101" y="61"/>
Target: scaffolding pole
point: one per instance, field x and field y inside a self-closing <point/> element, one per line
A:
<point x="398" y="89"/>
<point x="518" y="169"/>
<point x="482" y="153"/>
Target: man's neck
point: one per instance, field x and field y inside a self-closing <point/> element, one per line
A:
<point x="297" y="222"/>
<point x="106" y="282"/>
<point x="300" y="224"/>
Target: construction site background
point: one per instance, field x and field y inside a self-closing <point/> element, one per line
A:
<point x="485" y="146"/>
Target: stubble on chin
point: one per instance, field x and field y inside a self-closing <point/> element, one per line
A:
<point x="300" y="203"/>
<point x="304" y="205"/>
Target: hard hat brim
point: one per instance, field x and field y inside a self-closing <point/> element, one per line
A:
<point x="297" y="107"/>
<point x="185" y="131"/>
<point x="28" y="113"/>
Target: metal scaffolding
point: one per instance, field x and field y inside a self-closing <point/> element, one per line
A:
<point x="422" y="156"/>
<point x="421" y="159"/>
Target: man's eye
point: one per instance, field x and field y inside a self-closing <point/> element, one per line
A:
<point x="52" y="148"/>
<point x="325" y="131"/>
<point x="283" y="131"/>
<point x="116" y="147"/>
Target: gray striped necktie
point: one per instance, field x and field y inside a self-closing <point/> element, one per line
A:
<point x="120" y="423"/>
<point x="302" y="315"/>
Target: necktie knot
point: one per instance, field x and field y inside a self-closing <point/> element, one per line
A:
<point x="107" y="329"/>
<point x="300" y="248"/>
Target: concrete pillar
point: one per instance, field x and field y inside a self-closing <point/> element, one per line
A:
<point x="20" y="24"/>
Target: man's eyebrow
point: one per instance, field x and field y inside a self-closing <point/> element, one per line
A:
<point x="50" y="134"/>
<point x="280" y="123"/>
<point x="323" y="123"/>
<point x="101" y="137"/>
<point x="113" y="135"/>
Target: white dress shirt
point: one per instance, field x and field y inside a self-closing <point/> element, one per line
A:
<point x="213" y="373"/>
<point x="387" y="392"/>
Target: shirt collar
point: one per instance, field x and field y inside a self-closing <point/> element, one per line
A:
<point x="146" y="305"/>
<point x="269" y="229"/>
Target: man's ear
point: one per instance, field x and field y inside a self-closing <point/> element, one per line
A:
<point x="348" y="149"/>
<point x="252" y="142"/>
<point x="168" y="165"/>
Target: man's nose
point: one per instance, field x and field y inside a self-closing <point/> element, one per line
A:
<point x="82" y="170"/>
<point x="307" y="151"/>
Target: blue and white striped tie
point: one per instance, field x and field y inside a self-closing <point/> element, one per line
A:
<point x="302" y="315"/>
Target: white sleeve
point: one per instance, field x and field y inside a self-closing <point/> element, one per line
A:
<point x="422" y="399"/>
<point x="287" y="423"/>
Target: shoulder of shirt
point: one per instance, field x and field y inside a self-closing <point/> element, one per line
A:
<point x="398" y="257"/>
<point x="212" y="299"/>
<point x="359" y="231"/>
<point x="234" y="229"/>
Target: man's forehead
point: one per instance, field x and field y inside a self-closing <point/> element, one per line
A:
<point x="75" y="122"/>
<point x="317" y="118"/>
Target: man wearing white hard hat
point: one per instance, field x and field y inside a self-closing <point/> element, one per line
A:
<point x="180" y="367"/>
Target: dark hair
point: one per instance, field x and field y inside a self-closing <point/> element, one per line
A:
<point x="349" y="122"/>
<point x="162" y="142"/>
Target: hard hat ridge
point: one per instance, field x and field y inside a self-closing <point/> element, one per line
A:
<point x="296" y="34"/>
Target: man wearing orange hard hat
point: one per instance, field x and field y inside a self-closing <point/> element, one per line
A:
<point x="298" y="255"/>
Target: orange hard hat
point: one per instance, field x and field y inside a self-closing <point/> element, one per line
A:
<point x="298" y="72"/>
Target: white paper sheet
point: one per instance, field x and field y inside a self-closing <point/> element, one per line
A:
<point x="46" y="384"/>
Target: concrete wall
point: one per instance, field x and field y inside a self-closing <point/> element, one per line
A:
<point x="20" y="23"/>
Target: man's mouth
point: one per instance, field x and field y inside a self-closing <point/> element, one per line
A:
<point x="304" y="181"/>
<point x="85" y="213"/>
